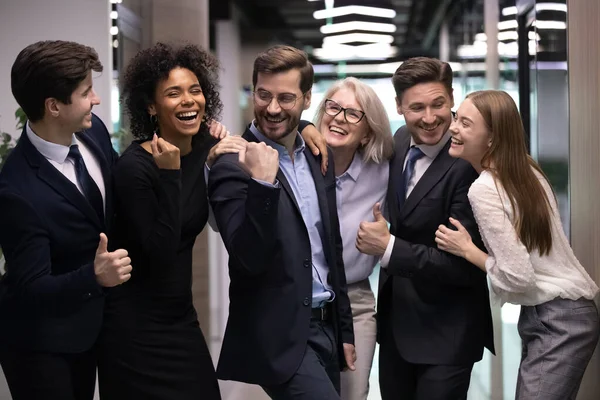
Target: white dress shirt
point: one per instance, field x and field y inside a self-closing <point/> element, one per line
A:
<point x="421" y="165"/>
<point x="358" y="189"/>
<point x="516" y="275"/>
<point x="56" y="154"/>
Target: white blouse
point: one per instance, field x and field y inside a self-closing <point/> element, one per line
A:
<point x="515" y="275"/>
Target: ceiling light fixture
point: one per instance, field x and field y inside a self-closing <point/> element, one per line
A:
<point x="358" y="37"/>
<point x="361" y="10"/>
<point x="357" y="26"/>
<point x="538" y="7"/>
<point x="339" y="52"/>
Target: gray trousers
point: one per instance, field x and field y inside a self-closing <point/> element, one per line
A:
<point x="559" y="338"/>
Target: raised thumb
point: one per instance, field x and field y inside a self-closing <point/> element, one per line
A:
<point x="102" y="245"/>
<point x="377" y="213"/>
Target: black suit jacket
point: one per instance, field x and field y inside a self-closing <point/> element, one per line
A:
<point x="271" y="271"/>
<point x="437" y="303"/>
<point x="49" y="298"/>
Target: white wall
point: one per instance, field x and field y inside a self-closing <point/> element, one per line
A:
<point x="24" y="22"/>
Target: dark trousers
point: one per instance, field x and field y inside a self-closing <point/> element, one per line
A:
<point x="402" y="380"/>
<point x="318" y="376"/>
<point x="49" y="376"/>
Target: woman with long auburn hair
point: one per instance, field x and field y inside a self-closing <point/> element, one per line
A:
<point x="529" y="260"/>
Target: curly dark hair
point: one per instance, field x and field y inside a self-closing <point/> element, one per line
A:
<point x="154" y="64"/>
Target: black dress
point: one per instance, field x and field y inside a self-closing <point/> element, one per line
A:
<point x="151" y="346"/>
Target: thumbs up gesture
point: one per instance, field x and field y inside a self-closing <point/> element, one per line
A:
<point x="111" y="268"/>
<point x="373" y="237"/>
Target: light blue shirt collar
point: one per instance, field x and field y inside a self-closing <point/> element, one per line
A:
<point x="52" y="151"/>
<point x="355" y="168"/>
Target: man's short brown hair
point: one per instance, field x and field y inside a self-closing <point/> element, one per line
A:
<point x="421" y="70"/>
<point x="283" y="58"/>
<point x="50" y="69"/>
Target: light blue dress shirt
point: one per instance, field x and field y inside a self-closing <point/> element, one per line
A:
<point x="298" y="174"/>
<point x="358" y="189"/>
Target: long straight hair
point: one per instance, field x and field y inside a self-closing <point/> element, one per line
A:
<point x="513" y="168"/>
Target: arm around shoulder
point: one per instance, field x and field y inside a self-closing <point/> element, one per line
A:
<point x="416" y="260"/>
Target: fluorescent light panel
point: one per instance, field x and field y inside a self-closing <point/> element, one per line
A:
<point x="361" y="10"/>
<point x="538" y="7"/>
<point x="372" y="51"/>
<point x="357" y="26"/>
<point x="358" y="37"/>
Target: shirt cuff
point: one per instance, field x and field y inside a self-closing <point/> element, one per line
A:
<point x="385" y="259"/>
<point x="268" y="184"/>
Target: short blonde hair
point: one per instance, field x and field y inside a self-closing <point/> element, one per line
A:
<point x="381" y="145"/>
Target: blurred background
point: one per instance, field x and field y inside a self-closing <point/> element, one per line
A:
<point x="544" y="53"/>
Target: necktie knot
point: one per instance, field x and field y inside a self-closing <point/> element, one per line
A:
<point x="74" y="153"/>
<point x="414" y="154"/>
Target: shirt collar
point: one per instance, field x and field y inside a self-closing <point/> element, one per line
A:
<point x="298" y="145"/>
<point x="431" y="151"/>
<point x="355" y="167"/>
<point x="52" y="151"/>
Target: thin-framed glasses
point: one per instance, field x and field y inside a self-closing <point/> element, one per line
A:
<point x="350" y="114"/>
<point x="286" y="101"/>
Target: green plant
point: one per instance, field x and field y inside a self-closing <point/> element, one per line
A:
<point x="6" y="145"/>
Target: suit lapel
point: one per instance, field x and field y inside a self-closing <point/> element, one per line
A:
<point x="249" y="136"/>
<point x="436" y="171"/>
<point x="57" y="181"/>
<point x="402" y="143"/>
<point x="315" y="170"/>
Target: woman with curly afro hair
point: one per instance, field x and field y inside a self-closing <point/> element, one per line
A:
<point x="151" y="345"/>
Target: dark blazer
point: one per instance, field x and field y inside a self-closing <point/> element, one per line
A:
<point x="437" y="303"/>
<point x="49" y="298"/>
<point x="270" y="269"/>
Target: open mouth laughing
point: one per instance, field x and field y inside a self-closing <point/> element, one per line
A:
<point x="456" y="142"/>
<point x="337" y="130"/>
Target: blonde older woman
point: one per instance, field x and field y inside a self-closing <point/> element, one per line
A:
<point x="356" y="127"/>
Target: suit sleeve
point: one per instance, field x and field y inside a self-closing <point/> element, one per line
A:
<point x="420" y="261"/>
<point x="246" y="215"/>
<point x="148" y="206"/>
<point x="25" y="242"/>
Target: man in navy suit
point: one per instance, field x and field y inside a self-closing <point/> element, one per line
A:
<point x="55" y="211"/>
<point x="433" y="312"/>
<point x="290" y="325"/>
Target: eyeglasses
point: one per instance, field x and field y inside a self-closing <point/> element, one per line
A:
<point x="286" y="101"/>
<point x="350" y="114"/>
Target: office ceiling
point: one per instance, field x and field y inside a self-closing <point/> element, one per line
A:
<point x="417" y="22"/>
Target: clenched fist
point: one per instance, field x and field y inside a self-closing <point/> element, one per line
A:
<point x="260" y="161"/>
<point x="166" y="155"/>
<point x="111" y="268"/>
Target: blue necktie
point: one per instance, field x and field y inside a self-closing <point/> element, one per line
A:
<point x="89" y="187"/>
<point x="411" y="159"/>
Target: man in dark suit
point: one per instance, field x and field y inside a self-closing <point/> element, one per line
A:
<point x="433" y="312"/>
<point x="290" y="324"/>
<point x="55" y="209"/>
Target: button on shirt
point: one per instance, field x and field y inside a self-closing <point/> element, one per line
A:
<point x="358" y="189"/>
<point x="421" y="166"/>
<point x="299" y="176"/>
<point x="57" y="155"/>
